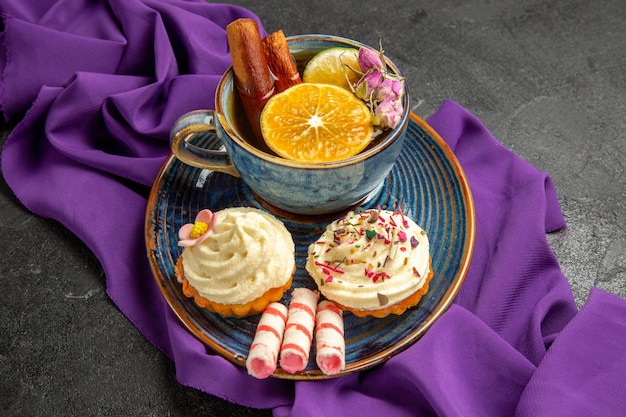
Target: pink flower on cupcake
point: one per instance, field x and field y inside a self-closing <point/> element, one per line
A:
<point x="192" y="234"/>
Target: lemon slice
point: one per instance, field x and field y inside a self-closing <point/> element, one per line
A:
<point x="316" y="123"/>
<point x="333" y="66"/>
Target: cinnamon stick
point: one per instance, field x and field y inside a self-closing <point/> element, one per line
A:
<point x="253" y="79"/>
<point x="280" y="61"/>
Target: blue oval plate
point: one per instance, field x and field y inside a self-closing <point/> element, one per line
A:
<point x="427" y="182"/>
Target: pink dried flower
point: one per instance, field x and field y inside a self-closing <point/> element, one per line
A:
<point x="388" y="112"/>
<point x="369" y="60"/>
<point x="368" y="85"/>
<point x="389" y="88"/>
<point x="195" y="233"/>
<point x="381" y="90"/>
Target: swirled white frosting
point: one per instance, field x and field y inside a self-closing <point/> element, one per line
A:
<point x="249" y="253"/>
<point x="370" y="260"/>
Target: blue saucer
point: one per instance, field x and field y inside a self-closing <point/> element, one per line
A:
<point x="427" y="182"/>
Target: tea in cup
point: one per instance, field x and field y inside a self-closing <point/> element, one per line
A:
<point x="282" y="184"/>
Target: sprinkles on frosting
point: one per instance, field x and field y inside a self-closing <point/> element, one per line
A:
<point x="376" y="228"/>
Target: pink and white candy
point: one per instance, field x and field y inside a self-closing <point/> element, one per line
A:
<point x="330" y="344"/>
<point x="263" y="353"/>
<point x="294" y="352"/>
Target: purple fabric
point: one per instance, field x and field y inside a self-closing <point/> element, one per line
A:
<point x="97" y="86"/>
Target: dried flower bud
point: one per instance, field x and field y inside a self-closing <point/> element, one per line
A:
<point x="369" y="60"/>
<point x="381" y="91"/>
<point x="389" y="88"/>
<point x="368" y="85"/>
<point x="388" y="112"/>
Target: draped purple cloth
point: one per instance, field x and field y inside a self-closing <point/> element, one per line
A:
<point x="97" y="86"/>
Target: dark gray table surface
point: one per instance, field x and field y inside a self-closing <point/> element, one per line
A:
<point x="548" y="78"/>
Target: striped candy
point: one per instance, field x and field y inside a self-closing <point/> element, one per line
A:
<point x="263" y="354"/>
<point x="330" y="344"/>
<point x="294" y="352"/>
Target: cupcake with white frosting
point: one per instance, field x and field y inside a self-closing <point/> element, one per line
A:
<point x="372" y="262"/>
<point x="236" y="261"/>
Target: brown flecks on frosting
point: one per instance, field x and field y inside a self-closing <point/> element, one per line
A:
<point x="382" y="299"/>
<point x="386" y="228"/>
<point x="394" y="251"/>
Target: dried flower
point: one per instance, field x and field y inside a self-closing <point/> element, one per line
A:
<point x="380" y="90"/>
<point x="369" y="60"/>
<point x="389" y="88"/>
<point x="195" y="233"/>
<point x="388" y="112"/>
<point x="367" y="86"/>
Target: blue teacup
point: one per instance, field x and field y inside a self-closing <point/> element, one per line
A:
<point x="293" y="187"/>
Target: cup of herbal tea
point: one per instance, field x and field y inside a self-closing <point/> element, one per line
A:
<point x="275" y="166"/>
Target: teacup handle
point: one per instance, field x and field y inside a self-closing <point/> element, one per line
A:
<point x="189" y="126"/>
